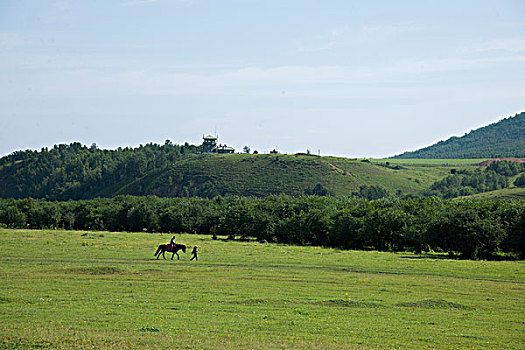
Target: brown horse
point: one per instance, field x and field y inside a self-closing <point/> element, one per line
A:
<point x="163" y="248"/>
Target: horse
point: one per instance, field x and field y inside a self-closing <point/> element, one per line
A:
<point x="163" y="248"/>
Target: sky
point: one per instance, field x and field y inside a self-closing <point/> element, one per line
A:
<point x="345" y="78"/>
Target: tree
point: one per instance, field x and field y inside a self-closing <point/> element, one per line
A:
<point x="317" y="190"/>
<point x="347" y="230"/>
<point x="466" y="230"/>
<point x="520" y="181"/>
<point x="371" y="192"/>
<point x="246" y="149"/>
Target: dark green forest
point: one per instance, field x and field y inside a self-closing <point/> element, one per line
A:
<point x="75" y="171"/>
<point x="505" y="138"/>
<point x="470" y="228"/>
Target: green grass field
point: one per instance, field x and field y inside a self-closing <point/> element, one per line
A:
<point x="60" y="289"/>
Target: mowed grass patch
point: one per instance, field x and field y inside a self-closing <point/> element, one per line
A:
<point x="63" y="289"/>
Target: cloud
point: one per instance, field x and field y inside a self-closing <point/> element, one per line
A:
<point x="140" y="2"/>
<point x="399" y="80"/>
<point x="9" y="40"/>
<point x="497" y="46"/>
<point x="347" y="36"/>
<point x="77" y="74"/>
<point x="444" y="65"/>
<point x="149" y="2"/>
<point x="377" y="32"/>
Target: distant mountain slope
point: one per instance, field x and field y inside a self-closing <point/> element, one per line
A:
<point x="505" y="138"/>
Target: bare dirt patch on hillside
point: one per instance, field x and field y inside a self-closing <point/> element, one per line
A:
<point x="490" y="161"/>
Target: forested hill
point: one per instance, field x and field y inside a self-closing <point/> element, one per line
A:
<point x="505" y="138"/>
<point x="75" y="171"/>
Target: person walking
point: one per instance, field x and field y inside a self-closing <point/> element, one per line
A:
<point x="194" y="253"/>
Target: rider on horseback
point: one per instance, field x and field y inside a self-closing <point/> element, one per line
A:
<point x="173" y="244"/>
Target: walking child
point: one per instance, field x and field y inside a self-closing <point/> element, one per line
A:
<point x="194" y="253"/>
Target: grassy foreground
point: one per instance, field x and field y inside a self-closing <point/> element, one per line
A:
<point x="63" y="289"/>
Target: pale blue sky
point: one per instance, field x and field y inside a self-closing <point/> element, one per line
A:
<point x="351" y="78"/>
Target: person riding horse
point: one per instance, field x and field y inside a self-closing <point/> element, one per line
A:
<point x="172" y="243"/>
<point x="163" y="248"/>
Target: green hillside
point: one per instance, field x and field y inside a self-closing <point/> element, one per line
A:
<point x="505" y="138"/>
<point x="503" y="194"/>
<point x="76" y="172"/>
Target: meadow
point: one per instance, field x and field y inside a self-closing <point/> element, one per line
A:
<point x="79" y="289"/>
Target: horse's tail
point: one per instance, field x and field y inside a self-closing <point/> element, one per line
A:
<point x="159" y="250"/>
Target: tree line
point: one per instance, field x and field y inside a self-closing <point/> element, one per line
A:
<point x="471" y="228"/>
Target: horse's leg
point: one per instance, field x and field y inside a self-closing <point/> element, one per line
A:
<point x="163" y="256"/>
<point x="178" y="257"/>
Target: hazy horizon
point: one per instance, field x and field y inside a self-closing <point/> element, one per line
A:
<point x="346" y="78"/>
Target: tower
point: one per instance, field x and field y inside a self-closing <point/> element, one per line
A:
<point x="209" y="144"/>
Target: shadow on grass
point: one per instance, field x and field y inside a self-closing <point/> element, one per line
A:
<point x="443" y="256"/>
<point x="95" y="270"/>
<point x="435" y="304"/>
<point x="22" y="343"/>
<point x="350" y="303"/>
<point x="431" y="256"/>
